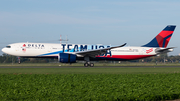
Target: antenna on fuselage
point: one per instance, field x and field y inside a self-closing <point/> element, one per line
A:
<point x="60" y="39"/>
<point x="63" y="40"/>
<point x="66" y="39"/>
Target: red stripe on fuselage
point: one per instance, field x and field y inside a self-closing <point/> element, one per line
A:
<point x="127" y="57"/>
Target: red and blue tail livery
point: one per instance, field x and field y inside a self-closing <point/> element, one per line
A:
<point x="163" y="38"/>
<point x="70" y="53"/>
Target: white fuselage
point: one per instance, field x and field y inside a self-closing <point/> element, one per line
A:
<point x="53" y="50"/>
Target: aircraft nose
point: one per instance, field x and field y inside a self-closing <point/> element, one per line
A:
<point x="8" y="51"/>
<point x="4" y="50"/>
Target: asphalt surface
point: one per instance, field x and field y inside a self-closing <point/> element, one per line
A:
<point x="89" y="67"/>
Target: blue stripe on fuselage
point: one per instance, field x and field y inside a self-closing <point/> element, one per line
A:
<point x="89" y="47"/>
<point x="51" y="53"/>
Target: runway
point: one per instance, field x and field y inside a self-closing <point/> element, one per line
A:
<point x="90" y="67"/>
<point x="88" y="70"/>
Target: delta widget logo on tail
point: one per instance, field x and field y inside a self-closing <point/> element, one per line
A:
<point x="162" y="39"/>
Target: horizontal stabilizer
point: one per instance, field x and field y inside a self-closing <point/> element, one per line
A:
<point x="165" y="50"/>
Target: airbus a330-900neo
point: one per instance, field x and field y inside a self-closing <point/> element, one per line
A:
<point x="69" y="53"/>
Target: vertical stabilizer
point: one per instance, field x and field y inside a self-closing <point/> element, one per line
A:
<point x="163" y="38"/>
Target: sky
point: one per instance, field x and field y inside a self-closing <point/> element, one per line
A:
<point x="108" y="22"/>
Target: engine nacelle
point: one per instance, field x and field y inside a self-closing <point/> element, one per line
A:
<point x="67" y="58"/>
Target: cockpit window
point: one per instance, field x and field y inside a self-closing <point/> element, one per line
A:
<point x="8" y="46"/>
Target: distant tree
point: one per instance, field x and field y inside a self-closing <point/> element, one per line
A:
<point x="8" y="59"/>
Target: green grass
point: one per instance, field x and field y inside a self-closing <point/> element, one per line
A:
<point x="85" y="87"/>
<point x="82" y="83"/>
<point x="89" y="70"/>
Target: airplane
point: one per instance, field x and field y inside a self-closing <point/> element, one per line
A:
<point x="70" y="53"/>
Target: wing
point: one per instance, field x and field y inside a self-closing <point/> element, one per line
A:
<point x="93" y="53"/>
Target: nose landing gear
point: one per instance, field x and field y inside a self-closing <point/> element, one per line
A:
<point x="19" y="60"/>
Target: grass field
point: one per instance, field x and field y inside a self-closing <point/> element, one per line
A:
<point x="90" y="70"/>
<point x="97" y="83"/>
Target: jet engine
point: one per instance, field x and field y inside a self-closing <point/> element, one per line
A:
<point x="67" y="58"/>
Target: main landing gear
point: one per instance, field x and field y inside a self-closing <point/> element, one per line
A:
<point x="88" y="64"/>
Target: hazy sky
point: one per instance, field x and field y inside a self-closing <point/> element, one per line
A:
<point x="115" y="22"/>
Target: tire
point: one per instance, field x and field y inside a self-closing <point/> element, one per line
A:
<point x="85" y="64"/>
<point x="91" y="64"/>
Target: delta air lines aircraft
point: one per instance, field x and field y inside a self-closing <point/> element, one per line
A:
<point x="69" y="53"/>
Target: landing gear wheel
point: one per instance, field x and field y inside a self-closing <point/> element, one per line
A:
<point x="91" y="64"/>
<point x="85" y="64"/>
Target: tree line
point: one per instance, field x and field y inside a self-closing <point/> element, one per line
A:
<point x="5" y="58"/>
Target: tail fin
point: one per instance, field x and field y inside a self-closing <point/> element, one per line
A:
<point x="163" y="38"/>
